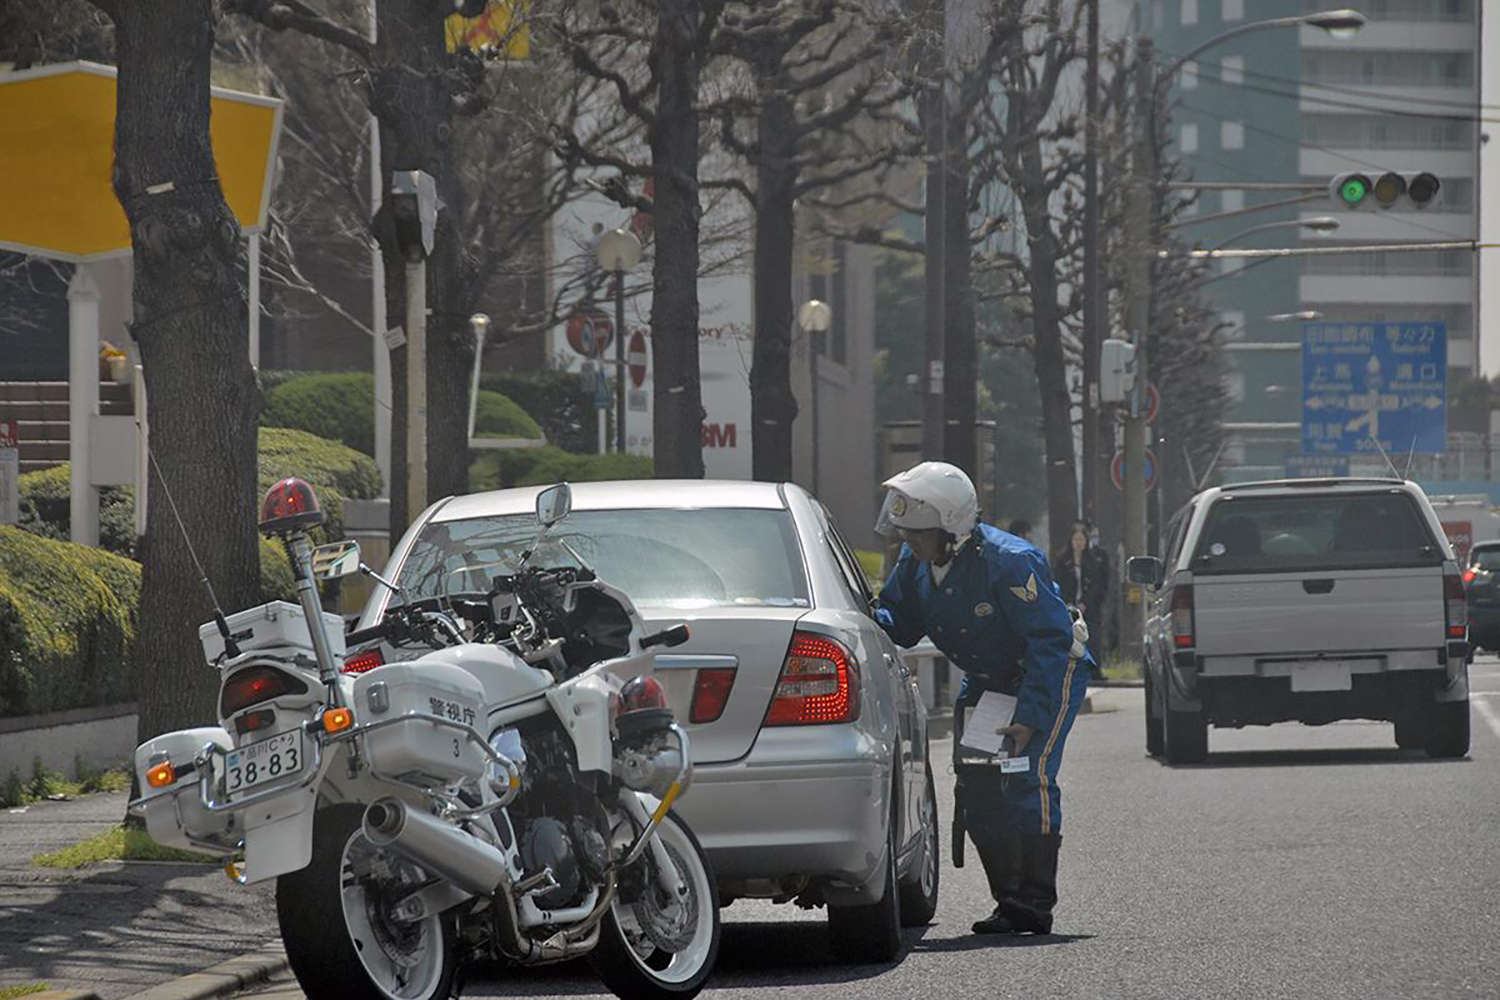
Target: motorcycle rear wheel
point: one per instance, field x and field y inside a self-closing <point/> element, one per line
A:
<point x="631" y="965"/>
<point x="338" y="941"/>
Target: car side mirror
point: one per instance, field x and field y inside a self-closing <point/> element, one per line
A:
<point x="335" y="560"/>
<point x="1145" y="570"/>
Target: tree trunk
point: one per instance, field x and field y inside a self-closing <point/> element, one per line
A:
<point x="773" y="405"/>
<point x="410" y="95"/>
<point x="960" y="353"/>
<point x="673" y="136"/>
<point x="191" y="326"/>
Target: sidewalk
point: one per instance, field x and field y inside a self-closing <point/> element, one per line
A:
<point x="116" y="928"/>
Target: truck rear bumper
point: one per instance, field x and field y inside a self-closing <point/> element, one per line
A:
<point x="1284" y="692"/>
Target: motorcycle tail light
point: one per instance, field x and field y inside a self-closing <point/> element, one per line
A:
<point x="252" y="722"/>
<point x="642" y="693"/>
<point x="254" y="685"/>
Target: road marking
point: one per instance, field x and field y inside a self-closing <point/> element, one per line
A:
<point x="1489" y="715"/>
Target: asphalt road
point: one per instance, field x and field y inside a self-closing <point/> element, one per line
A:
<point x="1298" y="862"/>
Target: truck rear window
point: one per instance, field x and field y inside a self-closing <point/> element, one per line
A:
<point x="1309" y="532"/>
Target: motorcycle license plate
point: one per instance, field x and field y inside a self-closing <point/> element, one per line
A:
<point x="262" y="763"/>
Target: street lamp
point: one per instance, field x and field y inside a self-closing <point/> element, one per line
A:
<point x="1342" y="22"/>
<point x="815" y="318"/>
<point x="1317" y="224"/>
<point x="619" y="252"/>
<point x="479" y="324"/>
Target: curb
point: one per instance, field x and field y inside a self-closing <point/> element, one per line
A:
<point x="217" y="981"/>
<point x="63" y="995"/>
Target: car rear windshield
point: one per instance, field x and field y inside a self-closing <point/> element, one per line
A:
<point x="1308" y="532"/>
<point x="690" y="558"/>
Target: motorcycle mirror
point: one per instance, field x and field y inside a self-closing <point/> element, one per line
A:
<point x="553" y="504"/>
<point x="335" y="560"/>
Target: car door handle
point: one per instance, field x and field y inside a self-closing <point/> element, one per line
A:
<point x="1318" y="586"/>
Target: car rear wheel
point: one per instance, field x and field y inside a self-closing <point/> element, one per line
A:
<point x="1155" y="737"/>
<point x="1447" y="729"/>
<point x="1186" y="737"/>
<point x="919" y="888"/>
<point x="870" y="933"/>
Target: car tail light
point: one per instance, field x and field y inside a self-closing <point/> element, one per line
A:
<point x="711" y="694"/>
<point x="819" y="684"/>
<point x="1457" y="605"/>
<point x="254" y="685"/>
<point x="362" y="663"/>
<point x="1469" y="575"/>
<point x="1182" y="616"/>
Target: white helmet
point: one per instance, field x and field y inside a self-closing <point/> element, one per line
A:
<point x="929" y="495"/>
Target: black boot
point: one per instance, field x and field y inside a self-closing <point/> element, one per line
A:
<point x="1002" y="869"/>
<point x="1030" y="911"/>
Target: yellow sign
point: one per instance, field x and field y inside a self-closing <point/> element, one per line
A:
<point x="502" y="26"/>
<point x="57" y="136"/>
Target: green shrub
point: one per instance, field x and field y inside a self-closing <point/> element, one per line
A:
<point x="556" y="400"/>
<point x="67" y="624"/>
<point x="45" y="499"/>
<point x="541" y="466"/>
<point x="340" y="406"/>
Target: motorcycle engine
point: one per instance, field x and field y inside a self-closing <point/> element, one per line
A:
<point x="546" y="844"/>
<point x="573" y="847"/>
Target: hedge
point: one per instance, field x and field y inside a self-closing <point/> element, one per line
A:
<point x="556" y="400"/>
<point x="67" y="625"/>
<point x="541" y="466"/>
<point x="340" y="406"/>
<point x="334" y="470"/>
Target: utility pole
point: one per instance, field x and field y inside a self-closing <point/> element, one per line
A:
<point x="1138" y="221"/>
<point x="934" y="424"/>
<point x="1093" y="332"/>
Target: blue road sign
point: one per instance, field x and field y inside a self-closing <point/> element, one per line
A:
<point x="1317" y="466"/>
<point x="1364" y="383"/>
<point x="604" y="393"/>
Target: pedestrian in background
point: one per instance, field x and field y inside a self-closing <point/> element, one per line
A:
<point x="1082" y="574"/>
<point x="987" y="600"/>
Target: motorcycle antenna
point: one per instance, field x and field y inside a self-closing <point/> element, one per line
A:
<point x="231" y="648"/>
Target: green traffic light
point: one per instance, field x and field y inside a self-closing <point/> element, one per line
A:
<point x="1354" y="191"/>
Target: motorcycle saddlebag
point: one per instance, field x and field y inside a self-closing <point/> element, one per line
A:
<point x="176" y="817"/>
<point x="418" y="749"/>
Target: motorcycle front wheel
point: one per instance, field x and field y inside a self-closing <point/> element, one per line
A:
<point x="655" y="948"/>
<point x="336" y="925"/>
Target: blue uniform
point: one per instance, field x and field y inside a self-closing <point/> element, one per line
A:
<point x="997" y="616"/>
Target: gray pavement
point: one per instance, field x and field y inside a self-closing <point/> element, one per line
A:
<point x="116" y="928"/>
<point x="1298" y="862"/>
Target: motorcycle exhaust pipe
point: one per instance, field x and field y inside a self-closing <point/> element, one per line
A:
<point x="440" y="848"/>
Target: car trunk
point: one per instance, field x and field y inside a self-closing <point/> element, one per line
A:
<point x="754" y="641"/>
<point x="1343" y="611"/>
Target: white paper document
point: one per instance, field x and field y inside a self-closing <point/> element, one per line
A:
<point x="982" y="725"/>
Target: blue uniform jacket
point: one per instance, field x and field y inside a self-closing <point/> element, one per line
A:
<point x="995" y="613"/>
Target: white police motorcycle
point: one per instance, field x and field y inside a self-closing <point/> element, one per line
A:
<point x="506" y="795"/>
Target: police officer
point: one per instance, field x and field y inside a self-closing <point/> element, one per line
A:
<point x="988" y="602"/>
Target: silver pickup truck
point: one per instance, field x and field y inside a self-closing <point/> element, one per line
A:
<point x="1305" y="600"/>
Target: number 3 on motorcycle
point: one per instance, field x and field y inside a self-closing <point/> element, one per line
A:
<point x="456" y="750"/>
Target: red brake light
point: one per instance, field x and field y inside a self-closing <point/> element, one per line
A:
<point x="1182" y="616"/>
<point x="255" y="685"/>
<point x="289" y="505"/>
<point x="819" y="684"/>
<point x="361" y="663"/>
<point x="711" y="694"/>
<point x="1457" y="606"/>
<point x="1469" y="575"/>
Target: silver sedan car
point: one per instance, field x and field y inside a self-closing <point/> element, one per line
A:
<point x="812" y="781"/>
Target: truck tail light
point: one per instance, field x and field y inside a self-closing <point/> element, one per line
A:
<point x="1457" y="605"/>
<point x="819" y="684"/>
<point x="711" y="694"/>
<point x="1182" y="616"/>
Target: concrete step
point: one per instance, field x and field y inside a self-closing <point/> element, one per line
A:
<point x="22" y="393"/>
<point x="52" y="452"/>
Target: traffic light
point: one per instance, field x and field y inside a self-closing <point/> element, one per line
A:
<point x="1116" y="370"/>
<point x="1355" y="190"/>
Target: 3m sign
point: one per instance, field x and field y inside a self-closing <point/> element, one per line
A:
<point x="720" y="436"/>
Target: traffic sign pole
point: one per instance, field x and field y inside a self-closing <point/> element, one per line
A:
<point x="620" y="361"/>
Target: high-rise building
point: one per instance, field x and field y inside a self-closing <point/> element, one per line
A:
<point x="1301" y="105"/>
